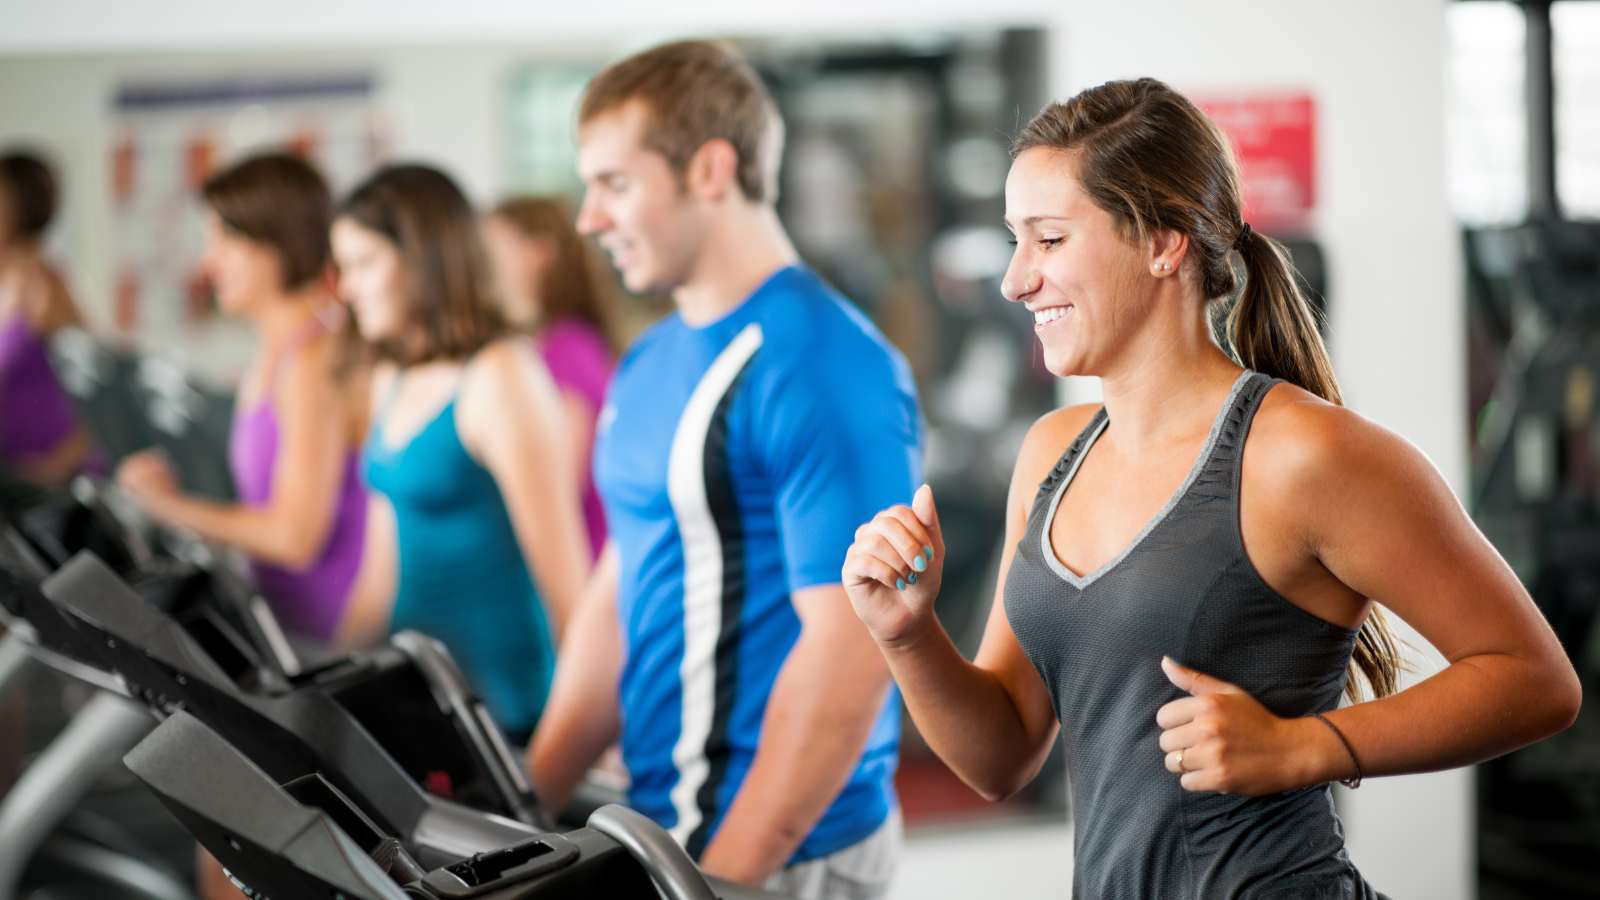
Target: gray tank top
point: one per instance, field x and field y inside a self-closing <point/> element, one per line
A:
<point x="1186" y="589"/>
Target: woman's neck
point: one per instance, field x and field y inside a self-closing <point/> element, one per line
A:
<point x="526" y="313"/>
<point x="1167" y="386"/>
<point x="530" y="320"/>
<point x="284" y="318"/>
<point x="15" y="252"/>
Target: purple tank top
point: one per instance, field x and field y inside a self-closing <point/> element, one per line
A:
<point x="310" y="601"/>
<point x="579" y="361"/>
<point x="35" y="413"/>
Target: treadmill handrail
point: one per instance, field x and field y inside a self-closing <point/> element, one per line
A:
<point x="452" y="691"/>
<point x="115" y="608"/>
<point x="51" y="637"/>
<point x="668" y="864"/>
<point x="184" y="761"/>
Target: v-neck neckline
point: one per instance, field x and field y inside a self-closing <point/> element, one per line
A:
<point x="1083" y="581"/>
<point x="381" y="427"/>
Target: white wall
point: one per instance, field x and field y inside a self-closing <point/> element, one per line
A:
<point x="439" y="104"/>
<point x="1376" y="68"/>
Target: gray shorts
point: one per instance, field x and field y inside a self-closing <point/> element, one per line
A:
<point x="861" y="871"/>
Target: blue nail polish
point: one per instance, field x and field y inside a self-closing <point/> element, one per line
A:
<point x="918" y="563"/>
<point x="912" y="578"/>
<point x="928" y="552"/>
<point x="899" y="584"/>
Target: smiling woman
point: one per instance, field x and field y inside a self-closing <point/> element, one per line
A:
<point x="1188" y="567"/>
<point x="467" y="453"/>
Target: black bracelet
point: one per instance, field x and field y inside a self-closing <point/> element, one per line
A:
<point x="1354" y="781"/>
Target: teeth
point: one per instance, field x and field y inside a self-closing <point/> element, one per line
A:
<point x="1046" y="316"/>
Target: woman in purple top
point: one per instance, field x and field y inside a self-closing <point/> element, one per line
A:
<point x="551" y="288"/>
<point x="299" y="419"/>
<point x="40" y="439"/>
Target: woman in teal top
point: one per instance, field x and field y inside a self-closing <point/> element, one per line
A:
<point x="475" y="535"/>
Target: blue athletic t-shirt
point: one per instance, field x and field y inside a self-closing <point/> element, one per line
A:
<point x="736" y="461"/>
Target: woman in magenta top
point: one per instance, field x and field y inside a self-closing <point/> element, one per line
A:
<point x="299" y="418"/>
<point x="550" y="288"/>
<point x="40" y="439"/>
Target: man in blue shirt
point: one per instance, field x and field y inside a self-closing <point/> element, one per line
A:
<point x="743" y="440"/>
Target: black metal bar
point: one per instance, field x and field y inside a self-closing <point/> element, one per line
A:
<point x="1543" y="202"/>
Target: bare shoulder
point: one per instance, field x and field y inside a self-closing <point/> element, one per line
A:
<point x="1303" y="446"/>
<point x="56" y="281"/>
<point x="504" y="363"/>
<point x="1044" y="443"/>
<point x="320" y="379"/>
<point x="54" y="284"/>
<point x="312" y="365"/>
<point x="1062" y="422"/>
<point x="508" y="375"/>
<point x="46" y="298"/>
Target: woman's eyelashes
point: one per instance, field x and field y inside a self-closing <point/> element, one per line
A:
<point x="1046" y="243"/>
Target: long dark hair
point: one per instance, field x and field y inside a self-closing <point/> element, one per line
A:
<point x="572" y="287"/>
<point x="448" y="300"/>
<point x="1152" y="159"/>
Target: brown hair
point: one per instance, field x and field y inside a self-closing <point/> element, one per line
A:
<point x="280" y="201"/>
<point x="1151" y="159"/>
<point x="694" y="92"/>
<point x="572" y="287"/>
<point x="32" y="187"/>
<point x="447" y="296"/>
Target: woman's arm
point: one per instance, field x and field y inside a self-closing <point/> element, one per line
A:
<point x="1373" y="511"/>
<point x="1383" y="521"/>
<point x="291" y="529"/>
<point x="990" y="720"/>
<point x="366" y="615"/>
<point x="512" y="421"/>
<point x="578" y="416"/>
<point x="581" y="718"/>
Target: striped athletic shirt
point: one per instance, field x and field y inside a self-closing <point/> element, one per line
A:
<point x="735" y="461"/>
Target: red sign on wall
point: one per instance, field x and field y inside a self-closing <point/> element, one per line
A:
<point x="1274" y="137"/>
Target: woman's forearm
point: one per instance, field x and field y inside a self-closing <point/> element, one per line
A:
<point x="1478" y="708"/>
<point x="254" y="530"/>
<point x="966" y="714"/>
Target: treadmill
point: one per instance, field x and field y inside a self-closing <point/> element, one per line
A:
<point x="280" y="787"/>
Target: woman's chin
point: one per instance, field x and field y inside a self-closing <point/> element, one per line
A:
<point x="1064" y="365"/>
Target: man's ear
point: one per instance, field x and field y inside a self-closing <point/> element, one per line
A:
<point x="713" y="170"/>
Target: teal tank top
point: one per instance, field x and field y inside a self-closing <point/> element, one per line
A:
<point x="462" y="577"/>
